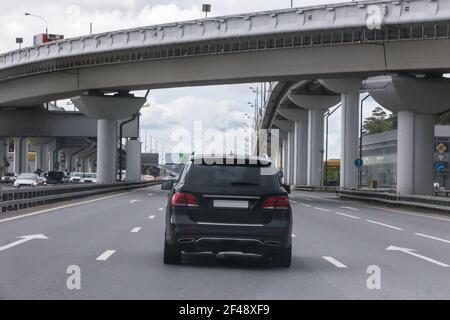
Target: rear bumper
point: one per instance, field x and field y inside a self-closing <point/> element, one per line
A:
<point x="219" y="238"/>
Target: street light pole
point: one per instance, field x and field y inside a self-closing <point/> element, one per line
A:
<point x="39" y="17"/>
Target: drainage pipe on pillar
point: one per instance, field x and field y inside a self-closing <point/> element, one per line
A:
<point x="120" y="144"/>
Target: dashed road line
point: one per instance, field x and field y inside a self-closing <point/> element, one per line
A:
<point x="322" y="209"/>
<point x="160" y="209"/>
<point x="350" y="208"/>
<point x="294" y="236"/>
<point x="346" y="215"/>
<point x="304" y="204"/>
<point x="385" y="225"/>
<point x="407" y="213"/>
<point x="152" y="217"/>
<point x="335" y="262"/>
<point x="430" y="237"/>
<point x="136" y="230"/>
<point x="106" y="255"/>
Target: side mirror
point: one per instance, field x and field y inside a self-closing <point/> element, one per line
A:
<point x="287" y="188"/>
<point x="167" y="185"/>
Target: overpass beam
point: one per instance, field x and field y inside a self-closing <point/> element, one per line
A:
<point x="133" y="166"/>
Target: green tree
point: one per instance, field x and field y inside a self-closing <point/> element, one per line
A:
<point x="379" y="122"/>
<point x="444" y="119"/>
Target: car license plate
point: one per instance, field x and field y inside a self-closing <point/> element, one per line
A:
<point x="230" y="204"/>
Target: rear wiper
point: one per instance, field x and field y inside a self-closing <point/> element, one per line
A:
<point x="243" y="183"/>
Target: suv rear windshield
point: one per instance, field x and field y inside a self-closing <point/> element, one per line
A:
<point x="231" y="175"/>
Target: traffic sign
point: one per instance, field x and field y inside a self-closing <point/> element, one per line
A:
<point x="359" y="163"/>
<point x="440" y="166"/>
<point x="441" y="148"/>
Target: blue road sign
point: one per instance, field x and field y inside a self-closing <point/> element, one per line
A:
<point x="440" y="166"/>
<point x="359" y="163"/>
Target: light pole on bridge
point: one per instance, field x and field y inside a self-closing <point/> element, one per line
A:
<point x="39" y="17"/>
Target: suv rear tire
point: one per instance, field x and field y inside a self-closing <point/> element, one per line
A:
<point x="172" y="254"/>
<point x="283" y="258"/>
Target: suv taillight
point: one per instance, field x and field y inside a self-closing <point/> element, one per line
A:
<point x="279" y="202"/>
<point x="181" y="199"/>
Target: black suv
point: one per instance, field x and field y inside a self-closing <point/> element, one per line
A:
<point x="228" y="204"/>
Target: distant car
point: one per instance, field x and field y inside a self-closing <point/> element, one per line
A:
<point x="76" y="177"/>
<point x="55" y="177"/>
<point x="8" y="178"/>
<point x="89" y="178"/>
<point x="228" y="204"/>
<point x="27" y="180"/>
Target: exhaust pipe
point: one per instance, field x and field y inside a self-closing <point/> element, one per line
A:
<point x="273" y="243"/>
<point x="186" y="240"/>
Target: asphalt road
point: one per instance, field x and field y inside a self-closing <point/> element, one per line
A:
<point x="116" y="241"/>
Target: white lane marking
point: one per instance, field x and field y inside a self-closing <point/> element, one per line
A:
<point x="385" y="225"/>
<point x="294" y="236"/>
<point x="304" y="204"/>
<point x="412" y="252"/>
<point x="152" y="217"/>
<point x="335" y="262"/>
<point x="350" y="208"/>
<point x="23" y="239"/>
<point x="322" y="209"/>
<point x="136" y="230"/>
<point x="160" y="209"/>
<point x="106" y="255"/>
<point x="430" y="237"/>
<point x="134" y="201"/>
<point x="346" y="215"/>
<point x="150" y="194"/>
<point x="407" y="213"/>
<point x="65" y="206"/>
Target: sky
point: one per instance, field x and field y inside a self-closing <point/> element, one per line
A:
<point x="173" y="112"/>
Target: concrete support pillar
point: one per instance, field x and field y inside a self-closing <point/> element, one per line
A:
<point x="21" y="155"/>
<point x="3" y="155"/>
<point x="315" y="147"/>
<point x="290" y="158"/>
<point x="300" y="152"/>
<point x="106" y="151"/>
<point x="133" y="166"/>
<point x="285" y="156"/>
<point x="349" y="139"/>
<point x="415" y="147"/>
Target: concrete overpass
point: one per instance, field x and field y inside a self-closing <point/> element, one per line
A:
<point x="325" y="42"/>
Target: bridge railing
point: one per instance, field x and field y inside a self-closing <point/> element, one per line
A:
<point x="429" y="202"/>
<point x="17" y="199"/>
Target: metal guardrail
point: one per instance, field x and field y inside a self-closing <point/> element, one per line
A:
<point x="16" y="199"/>
<point x="436" y="203"/>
